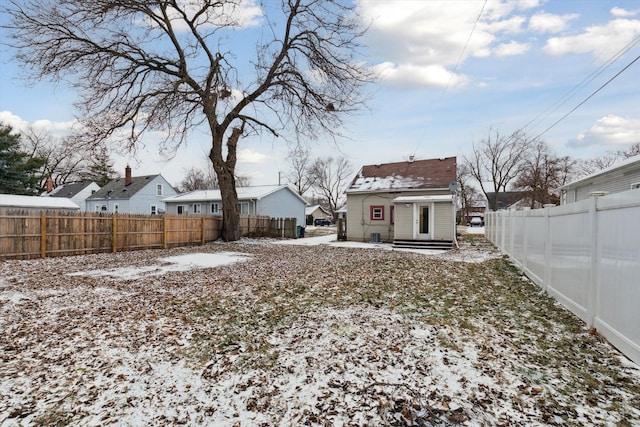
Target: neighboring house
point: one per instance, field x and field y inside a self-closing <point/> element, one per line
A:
<point x="275" y="201"/>
<point x="317" y="212"/>
<point x="508" y="200"/>
<point x="407" y="203"/>
<point x="78" y="192"/>
<point x="623" y="177"/>
<point x="132" y="194"/>
<point x="37" y="203"/>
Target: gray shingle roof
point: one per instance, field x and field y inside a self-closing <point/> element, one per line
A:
<point x="117" y="190"/>
<point x="69" y="190"/>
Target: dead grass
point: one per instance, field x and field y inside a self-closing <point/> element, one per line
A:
<point x="368" y="336"/>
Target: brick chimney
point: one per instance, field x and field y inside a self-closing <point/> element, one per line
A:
<point x="49" y="185"/>
<point x="127" y="175"/>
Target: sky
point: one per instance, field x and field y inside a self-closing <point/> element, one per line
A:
<point x="449" y="73"/>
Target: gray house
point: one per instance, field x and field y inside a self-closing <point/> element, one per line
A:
<point x="275" y="201"/>
<point x="132" y="194"/>
<point x="78" y="192"/>
<point x="622" y="177"/>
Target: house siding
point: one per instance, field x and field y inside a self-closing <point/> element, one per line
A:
<point x="404" y="221"/>
<point x="360" y="226"/>
<point x="359" y="223"/>
<point x="443" y="221"/>
<point x="139" y="203"/>
<point x="612" y="180"/>
<point x="614" y="184"/>
<point x="282" y="204"/>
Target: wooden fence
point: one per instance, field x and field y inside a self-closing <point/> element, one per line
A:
<point x="30" y="234"/>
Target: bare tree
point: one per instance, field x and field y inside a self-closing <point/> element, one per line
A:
<point x="608" y="159"/>
<point x="167" y="66"/>
<point x="197" y="179"/>
<point x="330" y="177"/>
<point x="299" y="162"/>
<point x="496" y="161"/>
<point x="468" y="195"/>
<point x="542" y="174"/>
<point x="64" y="160"/>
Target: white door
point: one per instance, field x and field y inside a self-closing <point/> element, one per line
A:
<point x="422" y="221"/>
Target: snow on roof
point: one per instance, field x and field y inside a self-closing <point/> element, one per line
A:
<point x="244" y="193"/>
<point x="415" y="174"/>
<point x="15" y="201"/>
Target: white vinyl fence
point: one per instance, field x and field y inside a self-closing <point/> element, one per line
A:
<point x="585" y="254"/>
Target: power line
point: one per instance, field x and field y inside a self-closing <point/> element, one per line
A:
<point x="588" y="97"/>
<point x="565" y="98"/>
<point x="464" y="49"/>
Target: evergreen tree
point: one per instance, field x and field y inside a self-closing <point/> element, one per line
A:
<point x="100" y="169"/>
<point x="19" y="173"/>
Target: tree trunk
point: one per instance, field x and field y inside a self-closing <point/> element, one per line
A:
<point x="230" y="212"/>
<point x="225" y="170"/>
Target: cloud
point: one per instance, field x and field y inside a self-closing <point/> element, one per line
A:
<point x="610" y="130"/>
<point x="418" y="43"/>
<point x="550" y="23"/>
<point x="247" y="155"/>
<point x="244" y="14"/>
<point x="18" y="123"/>
<point x="601" y="41"/>
<point x="618" y="11"/>
<point x="409" y="75"/>
<point x="511" y="48"/>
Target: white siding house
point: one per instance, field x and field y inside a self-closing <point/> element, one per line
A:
<point x="275" y="201"/>
<point x="134" y="195"/>
<point x="77" y="192"/>
<point x="615" y="179"/>
<point x="407" y="203"/>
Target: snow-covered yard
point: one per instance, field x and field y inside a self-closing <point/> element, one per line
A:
<point x="255" y="333"/>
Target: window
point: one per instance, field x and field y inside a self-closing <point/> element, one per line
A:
<point x="635" y="186"/>
<point x="159" y="189"/>
<point x="196" y="209"/>
<point x="181" y="210"/>
<point x="377" y="213"/>
<point x="154" y="210"/>
<point x="243" y="208"/>
<point x="103" y="208"/>
<point x="215" y="208"/>
<point x="115" y="208"/>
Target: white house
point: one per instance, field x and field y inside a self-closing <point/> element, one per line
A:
<point x="132" y="194"/>
<point x="77" y="192"/>
<point x="275" y="201"/>
<point x="622" y="177"/>
<point x="407" y="203"/>
<point x="12" y="201"/>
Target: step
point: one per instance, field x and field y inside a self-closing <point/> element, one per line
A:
<point x="423" y="244"/>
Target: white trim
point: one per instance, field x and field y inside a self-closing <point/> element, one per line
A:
<point x="424" y="199"/>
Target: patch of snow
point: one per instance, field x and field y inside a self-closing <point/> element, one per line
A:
<point x="14" y="297"/>
<point x="474" y="230"/>
<point x="169" y="264"/>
